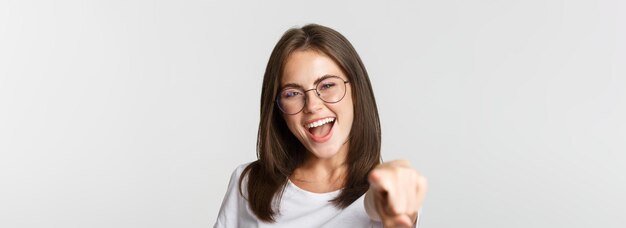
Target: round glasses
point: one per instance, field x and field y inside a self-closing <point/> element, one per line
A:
<point x="292" y="100"/>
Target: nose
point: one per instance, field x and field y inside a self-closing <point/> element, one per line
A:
<point x="312" y="101"/>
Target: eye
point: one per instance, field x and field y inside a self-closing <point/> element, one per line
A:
<point x="291" y="93"/>
<point x="327" y="85"/>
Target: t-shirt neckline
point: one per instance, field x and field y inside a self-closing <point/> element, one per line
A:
<point x="333" y="193"/>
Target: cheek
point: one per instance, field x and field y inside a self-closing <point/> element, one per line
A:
<point x="292" y="124"/>
<point x="348" y="112"/>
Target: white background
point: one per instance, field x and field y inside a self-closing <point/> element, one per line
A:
<point x="134" y="113"/>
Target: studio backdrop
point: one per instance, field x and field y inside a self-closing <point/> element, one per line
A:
<point x="134" y="113"/>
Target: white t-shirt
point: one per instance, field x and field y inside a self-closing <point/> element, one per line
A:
<point x="298" y="208"/>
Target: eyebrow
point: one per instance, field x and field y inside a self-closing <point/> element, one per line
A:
<point x="318" y="80"/>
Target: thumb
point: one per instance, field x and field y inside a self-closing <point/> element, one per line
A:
<point x="377" y="181"/>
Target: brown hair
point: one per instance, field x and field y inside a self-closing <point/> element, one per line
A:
<point x="279" y="152"/>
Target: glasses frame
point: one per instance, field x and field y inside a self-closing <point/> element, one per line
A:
<point x="306" y="98"/>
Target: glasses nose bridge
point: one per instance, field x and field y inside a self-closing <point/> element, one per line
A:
<point x="314" y="89"/>
<point x="306" y="98"/>
<point x="316" y="94"/>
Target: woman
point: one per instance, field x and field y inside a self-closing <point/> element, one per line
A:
<point x="318" y="146"/>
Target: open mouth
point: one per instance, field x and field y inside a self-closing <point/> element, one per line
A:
<point x="320" y="129"/>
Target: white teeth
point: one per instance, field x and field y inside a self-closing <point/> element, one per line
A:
<point x="320" y="122"/>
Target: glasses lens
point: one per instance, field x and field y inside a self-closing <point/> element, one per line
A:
<point x="291" y="100"/>
<point x="332" y="89"/>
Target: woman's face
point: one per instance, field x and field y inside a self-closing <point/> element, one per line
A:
<point x="323" y="128"/>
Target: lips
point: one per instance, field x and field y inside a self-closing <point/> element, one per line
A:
<point x="319" y="122"/>
<point x="320" y="130"/>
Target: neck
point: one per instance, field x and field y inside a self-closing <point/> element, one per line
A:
<point x="320" y="172"/>
<point x="323" y="170"/>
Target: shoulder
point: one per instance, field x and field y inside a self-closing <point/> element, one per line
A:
<point x="233" y="210"/>
<point x="236" y="175"/>
<point x="239" y="169"/>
